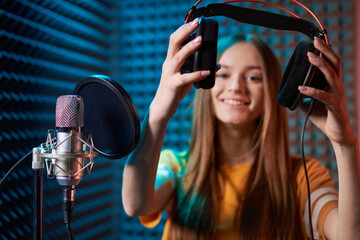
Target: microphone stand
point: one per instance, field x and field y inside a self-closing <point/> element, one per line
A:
<point x="48" y="152"/>
<point x="37" y="166"/>
<point x="38" y="186"/>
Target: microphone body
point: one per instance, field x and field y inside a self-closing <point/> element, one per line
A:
<point x="69" y="124"/>
<point x="69" y="168"/>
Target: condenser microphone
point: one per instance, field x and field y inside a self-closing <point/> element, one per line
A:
<point x="69" y="168"/>
<point x="69" y="124"/>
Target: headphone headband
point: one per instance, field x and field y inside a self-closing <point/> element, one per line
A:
<point x="258" y="17"/>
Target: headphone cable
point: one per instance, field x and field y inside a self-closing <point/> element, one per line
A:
<point x="311" y="107"/>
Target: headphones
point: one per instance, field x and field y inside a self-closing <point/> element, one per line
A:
<point x="298" y="72"/>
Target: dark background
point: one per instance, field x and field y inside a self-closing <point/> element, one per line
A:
<point x="47" y="47"/>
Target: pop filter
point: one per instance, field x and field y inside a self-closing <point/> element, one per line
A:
<point x="110" y="116"/>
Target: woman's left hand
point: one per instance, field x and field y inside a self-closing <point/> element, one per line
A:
<point x="331" y="117"/>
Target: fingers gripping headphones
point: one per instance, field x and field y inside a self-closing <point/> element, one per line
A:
<point x="298" y="72"/>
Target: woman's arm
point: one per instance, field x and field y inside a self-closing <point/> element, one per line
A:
<point x="348" y="160"/>
<point x="138" y="191"/>
<point x="331" y="117"/>
<point x="139" y="194"/>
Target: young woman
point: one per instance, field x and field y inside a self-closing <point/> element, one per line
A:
<point x="237" y="179"/>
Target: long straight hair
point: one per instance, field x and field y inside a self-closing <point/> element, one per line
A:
<point x="195" y="213"/>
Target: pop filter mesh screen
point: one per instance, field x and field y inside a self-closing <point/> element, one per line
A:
<point x="110" y="116"/>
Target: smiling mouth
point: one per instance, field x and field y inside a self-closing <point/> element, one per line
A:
<point x="234" y="102"/>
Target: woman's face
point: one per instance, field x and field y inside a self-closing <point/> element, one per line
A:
<point x="238" y="93"/>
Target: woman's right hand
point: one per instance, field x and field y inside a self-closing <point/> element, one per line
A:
<point x="174" y="85"/>
<point x="140" y="197"/>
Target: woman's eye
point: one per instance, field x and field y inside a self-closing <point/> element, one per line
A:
<point x="222" y="75"/>
<point x="253" y="78"/>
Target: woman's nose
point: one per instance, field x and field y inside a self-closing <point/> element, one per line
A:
<point x="237" y="85"/>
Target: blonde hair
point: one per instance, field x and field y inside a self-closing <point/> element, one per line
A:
<point x="271" y="176"/>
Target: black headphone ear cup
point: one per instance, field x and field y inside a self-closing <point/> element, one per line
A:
<point x="298" y="72"/>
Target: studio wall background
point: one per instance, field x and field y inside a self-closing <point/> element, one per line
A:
<point x="48" y="46"/>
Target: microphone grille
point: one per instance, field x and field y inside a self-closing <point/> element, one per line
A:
<point x="69" y="111"/>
